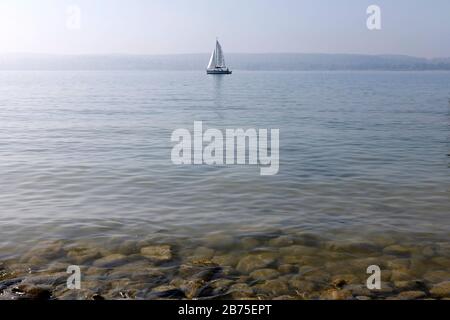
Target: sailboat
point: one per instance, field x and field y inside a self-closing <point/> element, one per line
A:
<point x="217" y="62"/>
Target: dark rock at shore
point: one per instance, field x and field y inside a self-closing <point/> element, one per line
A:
<point x="32" y="292"/>
<point x="166" y="292"/>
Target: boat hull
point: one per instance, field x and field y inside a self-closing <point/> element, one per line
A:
<point x="219" y="71"/>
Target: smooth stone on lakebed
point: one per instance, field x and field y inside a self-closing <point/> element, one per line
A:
<point x="203" y="272"/>
<point x="201" y="253"/>
<point x="317" y="277"/>
<point x="226" y="260"/>
<point x="110" y="261"/>
<point x="144" y="275"/>
<point x="272" y="287"/>
<point x="83" y="255"/>
<point x="241" y="291"/>
<point x="45" y="250"/>
<point x="219" y="241"/>
<point x="298" y="250"/>
<point x="441" y="290"/>
<point x="221" y="283"/>
<point x="286" y="297"/>
<point x="359" y="290"/>
<point x="411" y="295"/>
<point x="249" y="243"/>
<point x="352" y="247"/>
<point x="361" y="264"/>
<point x="281" y="241"/>
<point x="362" y="290"/>
<point x="127" y="247"/>
<point x="409" y="285"/>
<point x="56" y="266"/>
<point x="383" y="240"/>
<point x="437" y="276"/>
<point x="398" y="250"/>
<point x="52" y="279"/>
<point x="442" y="261"/>
<point x="157" y="252"/>
<point x="430" y="250"/>
<point x="166" y="291"/>
<point x="138" y="266"/>
<point x="299" y="259"/>
<point x="193" y="288"/>
<point x="302" y="286"/>
<point x="402" y="275"/>
<point x="307" y="239"/>
<point x="398" y="264"/>
<point x="386" y="288"/>
<point x="287" y="268"/>
<point x="38" y="261"/>
<point x="256" y="261"/>
<point x="264" y="274"/>
<point x="342" y="280"/>
<point x="335" y="294"/>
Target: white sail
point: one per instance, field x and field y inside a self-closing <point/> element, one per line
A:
<point x="217" y="59"/>
<point x="212" y="61"/>
<point x="220" y="62"/>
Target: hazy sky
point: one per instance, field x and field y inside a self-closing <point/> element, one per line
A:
<point x="413" y="27"/>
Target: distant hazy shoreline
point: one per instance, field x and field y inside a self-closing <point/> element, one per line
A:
<point x="275" y="62"/>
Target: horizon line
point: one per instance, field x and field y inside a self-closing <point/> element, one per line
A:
<point x="207" y="53"/>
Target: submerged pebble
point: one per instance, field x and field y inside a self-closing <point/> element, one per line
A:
<point x="264" y="274"/>
<point x="398" y="250"/>
<point x="110" y="261"/>
<point x="411" y="295"/>
<point x="337" y="294"/>
<point x="158" y="252"/>
<point x="441" y="290"/>
<point x="272" y="287"/>
<point x="255" y="261"/>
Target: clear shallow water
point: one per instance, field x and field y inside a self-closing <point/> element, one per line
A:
<point x="85" y="156"/>
<point x="87" y="150"/>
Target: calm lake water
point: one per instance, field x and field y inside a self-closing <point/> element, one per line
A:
<point x="85" y="156"/>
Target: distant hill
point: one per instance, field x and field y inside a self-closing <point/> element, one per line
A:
<point x="278" y="61"/>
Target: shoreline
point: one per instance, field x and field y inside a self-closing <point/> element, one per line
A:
<point x="275" y="266"/>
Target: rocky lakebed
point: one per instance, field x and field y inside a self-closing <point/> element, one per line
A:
<point x="297" y="265"/>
